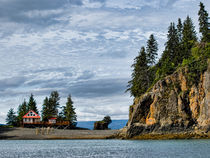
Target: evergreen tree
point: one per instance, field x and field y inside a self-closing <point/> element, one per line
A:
<point x="179" y="30"/>
<point x="54" y="103"/>
<point x="189" y="36"/>
<point x="203" y="23"/>
<point x="32" y="104"/>
<point x="11" y="118"/>
<point x="69" y="112"/>
<point x="50" y="106"/>
<point x="172" y="45"/>
<point x="22" y="110"/>
<point x="45" y="110"/>
<point x="140" y="77"/>
<point x="152" y="48"/>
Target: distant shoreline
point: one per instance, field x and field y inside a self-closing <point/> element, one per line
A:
<point x="31" y="134"/>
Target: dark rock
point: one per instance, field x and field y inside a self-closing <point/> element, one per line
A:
<point x="100" y="125"/>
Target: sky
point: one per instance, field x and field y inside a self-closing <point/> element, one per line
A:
<point x="80" y="47"/>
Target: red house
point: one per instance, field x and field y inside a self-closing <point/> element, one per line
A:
<point x="52" y="120"/>
<point x="31" y="117"/>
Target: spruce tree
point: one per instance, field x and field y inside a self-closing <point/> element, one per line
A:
<point x="22" y="110"/>
<point x="32" y="104"/>
<point x="172" y="45"/>
<point x="54" y="103"/>
<point x="11" y="118"/>
<point x="46" y="110"/>
<point x="189" y="36"/>
<point x="151" y="49"/>
<point x="179" y="30"/>
<point x="50" y="106"/>
<point x="69" y="111"/>
<point x="140" y="77"/>
<point x="203" y="23"/>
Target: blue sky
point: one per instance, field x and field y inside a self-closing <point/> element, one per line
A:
<point x="80" y="47"/>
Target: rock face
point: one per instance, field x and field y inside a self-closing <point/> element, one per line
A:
<point x="172" y="105"/>
<point x="100" y="125"/>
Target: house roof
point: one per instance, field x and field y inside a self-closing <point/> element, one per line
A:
<point x="36" y="115"/>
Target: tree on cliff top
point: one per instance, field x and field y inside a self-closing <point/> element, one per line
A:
<point x="203" y="23"/>
<point x="189" y="36"/>
<point x="172" y="45"/>
<point x="179" y="30"/>
<point x="151" y="49"/>
<point x="140" y="78"/>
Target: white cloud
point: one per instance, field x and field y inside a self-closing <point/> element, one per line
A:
<point x="64" y="46"/>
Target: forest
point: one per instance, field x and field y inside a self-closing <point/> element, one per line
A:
<point x="182" y="49"/>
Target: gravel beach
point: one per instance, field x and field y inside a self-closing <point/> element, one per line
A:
<point x="44" y="133"/>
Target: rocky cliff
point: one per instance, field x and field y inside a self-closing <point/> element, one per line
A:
<point x="172" y="106"/>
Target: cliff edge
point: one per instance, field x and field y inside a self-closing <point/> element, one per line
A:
<point x="173" y="107"/>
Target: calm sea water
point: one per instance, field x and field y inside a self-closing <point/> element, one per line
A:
<point x="116" y="124"/>
<point x="104" y="148"/>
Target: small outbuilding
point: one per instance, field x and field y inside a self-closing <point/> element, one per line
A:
<point x="52" y="120"/>
<point x="31" y="117"/>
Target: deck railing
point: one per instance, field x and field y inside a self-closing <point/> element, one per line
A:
<point x="58" y="123"/>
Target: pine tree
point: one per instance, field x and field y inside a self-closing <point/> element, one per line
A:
<point x="140" y="77"/>
<point x="189" y="36"/>
<point x="54" y="103"/>
<point x="151" y="49"/>
<point x="172" y="45"/>
<point x="50" y="106"/>
<point x="11" y="118"/>
<point x="45" y="110"/>
<point x="22" y="110"/>
<point x="69" y="112"/>
<point x="179" y="30"/>
<point x="32" y="104"/>
<point x="203" y="23"/>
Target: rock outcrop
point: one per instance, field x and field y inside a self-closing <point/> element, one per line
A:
<point x="100" y="125"/>
<point x="173" y="106"/>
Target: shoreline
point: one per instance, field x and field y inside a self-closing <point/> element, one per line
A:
<point x="73" y="134"/>
<point x="53" y="134"/>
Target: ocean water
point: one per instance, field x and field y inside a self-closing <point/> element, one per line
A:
<point x="104" y="148"/>
<point x="116" y="124"/>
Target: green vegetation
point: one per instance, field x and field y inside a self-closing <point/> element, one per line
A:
<point x="197" y="62"/>
<point x="50" y="108"/>
<point x="203" y="23"/>
<point x="11" y="118"/>
<point x="68" y="112"/>
<point x="22" y="110"/>
<point x="139" y="83"/>
<point x="151" y="49"/>
<point x="32" y="104"/>
<point x="182" y="49"/>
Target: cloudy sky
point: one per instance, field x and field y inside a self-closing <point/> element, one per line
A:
<point x="79" y="47"/>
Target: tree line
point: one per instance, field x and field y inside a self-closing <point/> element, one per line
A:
<point x="50" y="108"/>
<point x="179" y="47"/>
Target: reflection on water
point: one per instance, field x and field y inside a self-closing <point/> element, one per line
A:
<point x="104" y="148"/>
